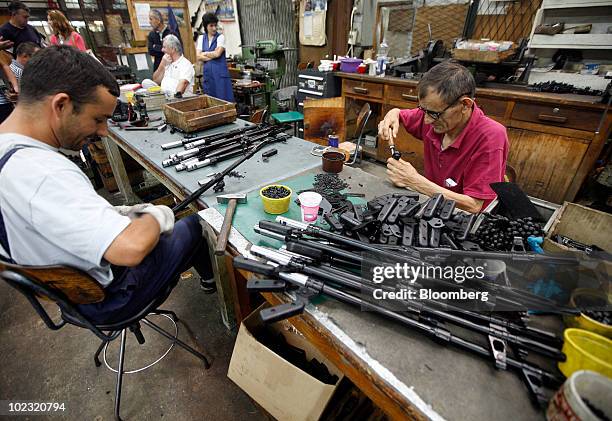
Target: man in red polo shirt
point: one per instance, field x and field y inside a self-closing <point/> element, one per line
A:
<point x="464" y="150"/>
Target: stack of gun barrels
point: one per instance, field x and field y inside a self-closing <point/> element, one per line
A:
<point x="317" y="261"/>
<point x="203" y="151"/>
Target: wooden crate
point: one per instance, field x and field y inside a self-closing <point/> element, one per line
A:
<point x="482" y="56"/>
<point x="586" y="225"/>
<point x="199" y="113"/>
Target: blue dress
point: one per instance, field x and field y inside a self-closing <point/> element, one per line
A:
<point x="216" y="81"/>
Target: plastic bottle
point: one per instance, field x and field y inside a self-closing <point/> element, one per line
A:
<point x="381" y="57"/>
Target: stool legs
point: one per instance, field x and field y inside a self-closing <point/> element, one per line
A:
<point x="97" y="354"/>
<point x="168" y="312"/>
<point x="177" y="341"/>
<point x="119" y="376"/>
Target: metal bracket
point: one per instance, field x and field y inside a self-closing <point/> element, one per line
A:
<point x="498" y="348"/>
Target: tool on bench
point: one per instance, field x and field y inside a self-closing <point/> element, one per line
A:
<point x="395" y="154"/>
<point x="218" y="178"/>
<point x="231" y="200"/>
<point x="268" y="154"/>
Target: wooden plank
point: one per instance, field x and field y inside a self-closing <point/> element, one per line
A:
<point x="580" y="135"/>
<point x="119" y="172"/>
<point x="78" y="286"/>
<point x="323" y="117"/>
<point x="548" y="178"/>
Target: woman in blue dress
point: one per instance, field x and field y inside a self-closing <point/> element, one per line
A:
<point x="216" y="80"/>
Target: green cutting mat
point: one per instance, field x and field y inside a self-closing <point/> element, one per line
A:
<point x="249" y="214"/>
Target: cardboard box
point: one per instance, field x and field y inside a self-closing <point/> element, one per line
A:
<point x="586" y="225"/>
<point x="281" y="388"/>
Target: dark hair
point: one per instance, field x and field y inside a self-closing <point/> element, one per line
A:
<point x="26" y="49"/>
<point x="157" y="14"/>
<point x="209" y="18"/>
<point x="16" y="6"/>
<point x="448" y="79"/>
<point x="62" y="68"/>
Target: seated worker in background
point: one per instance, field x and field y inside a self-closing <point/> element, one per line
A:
<point x="17" y="29"/>
<point x="13" y="73"/>
<point x="63" y="32"/>
<point x="464" y="150"/>
<point x="157" y="35"/>
<point x="210" y="49"/>
<point x="50" y="213"/>
<point x="175" y="73"/>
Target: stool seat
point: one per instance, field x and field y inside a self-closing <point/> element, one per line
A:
<point x="288" y="117"/>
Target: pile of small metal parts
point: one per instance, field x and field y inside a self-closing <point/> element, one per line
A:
<point x="499" y="233"/>
<point x="275" y="192"/>
<point x="400" y="220"/>
<point x="564" y="88"/>
<point x="604" y="317"/>
<point x="329" y="186"/>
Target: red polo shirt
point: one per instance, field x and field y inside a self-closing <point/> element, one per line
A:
<point x="474" y="160"/>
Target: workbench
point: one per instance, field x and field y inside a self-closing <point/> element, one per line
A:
<point x="406" y="374"/>
<point x="145" y="147"/>
<point x="403" y="372"/>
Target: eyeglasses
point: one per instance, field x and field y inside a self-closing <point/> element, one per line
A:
<point x="435" y="115"/>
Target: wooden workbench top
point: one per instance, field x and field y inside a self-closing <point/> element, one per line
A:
<point x="584" y="101"/>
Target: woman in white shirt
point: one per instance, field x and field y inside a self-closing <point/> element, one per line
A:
<point x="175" y="73"/>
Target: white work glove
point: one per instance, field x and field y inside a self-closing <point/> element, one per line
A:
<point x="164" y="216"/>
<point x="131" y="211"/>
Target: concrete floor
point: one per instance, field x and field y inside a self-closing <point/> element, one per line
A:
<point x="38" y="364"/>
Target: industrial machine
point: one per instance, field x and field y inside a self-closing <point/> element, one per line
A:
<point x="267" y="64"/>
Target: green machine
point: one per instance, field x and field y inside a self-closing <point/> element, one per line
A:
<point x="268" y="61"/>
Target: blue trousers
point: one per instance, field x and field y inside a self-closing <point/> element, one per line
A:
<point x="133" y="288"/>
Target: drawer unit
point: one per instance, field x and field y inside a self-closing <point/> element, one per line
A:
<point x="318" y="84"/>
<point x="362" y="89"/>
<point x="492" y="107"/>
<point x="401" y="93"/>
<point x="562" y="116"/>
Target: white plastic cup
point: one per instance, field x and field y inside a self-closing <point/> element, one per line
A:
<point x="309" y="204"/>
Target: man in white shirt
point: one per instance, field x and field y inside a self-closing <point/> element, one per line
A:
<point x="51" y="215"/>
<point x="175" y="73"/>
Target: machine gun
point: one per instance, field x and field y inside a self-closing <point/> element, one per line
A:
<point x="288" y="276"/>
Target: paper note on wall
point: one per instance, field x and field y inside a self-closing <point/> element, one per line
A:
<point x="141" y="61"/>
<point x="142" y="15"/>
<point x="318" y="24"/>
<point x="308" y="24"/>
